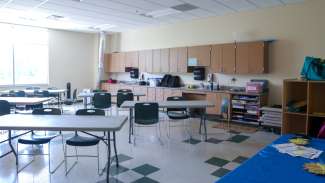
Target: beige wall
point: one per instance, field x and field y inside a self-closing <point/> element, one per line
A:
<point x="298" y="30"/>
<point x="72" y="58"/>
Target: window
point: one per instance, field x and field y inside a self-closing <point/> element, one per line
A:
<point x="24" y="55"/>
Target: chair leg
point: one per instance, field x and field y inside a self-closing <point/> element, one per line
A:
<point x="66" y="161"/>
<point x="98" y="159"/>
<point x="17" y="164"/>
<point x="49" y="156"/>
<point x="115" y="149"/>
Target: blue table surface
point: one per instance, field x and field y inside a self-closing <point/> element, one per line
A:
<point x="270" y="166"/>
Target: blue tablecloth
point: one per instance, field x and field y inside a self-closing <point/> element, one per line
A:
<point x="270" y="166"/>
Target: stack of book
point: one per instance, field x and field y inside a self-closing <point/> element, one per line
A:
<point x="271" y="116"/>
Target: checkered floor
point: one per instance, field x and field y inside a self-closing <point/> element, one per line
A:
<point x="179" y="159"/>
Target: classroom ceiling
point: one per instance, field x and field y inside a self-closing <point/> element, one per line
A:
<point x="120" y="15"/>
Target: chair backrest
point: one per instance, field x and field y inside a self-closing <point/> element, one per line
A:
<point x="146" y="113"/>
<point x="4" y="107"/>
<point x="176" y="98"/>
<point x="41" y="93"/>
<point x="47" y="111"/>
<point x="124" y="91"/>
<point x="74" y="94"/>
<point x="121" y="97"/>
<point x="102" y="100"/>
<point x="17" y="93"/>
<point x="90" y="112"/>
<point x="99" y="91"/>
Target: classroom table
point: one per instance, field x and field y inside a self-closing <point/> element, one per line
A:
<point x="271" y="166"/>
<point x="86" y="95"/>
<point x="188" y="104"/>
<point x="26" y="100"/>
<point x="63" y="123"/>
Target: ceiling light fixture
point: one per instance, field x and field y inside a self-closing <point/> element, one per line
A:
<point x="160" y="13"/>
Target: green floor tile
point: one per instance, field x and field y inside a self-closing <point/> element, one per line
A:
<point x="192" y="141"/>
<point x="117" y="170"/>
<point x="145" y="180"/>
<point x="145" y="169"/>
<point x="220" y="172"/>
<point x="217" y="161"/>
<point x="238" y="138"/>
<point x="240" y="159"/>
<point x="214" y="140"/>
<point x="122" y="158"/>
<point x="111" y="180"/>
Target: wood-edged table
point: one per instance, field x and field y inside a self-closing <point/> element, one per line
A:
<point x="188" y="104"/>
<point x="26" y="100"/>
<point x="63" y="123"/>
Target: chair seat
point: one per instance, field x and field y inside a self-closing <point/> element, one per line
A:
<point x="177" y="115"/>
<point x="82" y="141"/>
<point x="36" y="139"/>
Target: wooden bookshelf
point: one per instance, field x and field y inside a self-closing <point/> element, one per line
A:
<point x="311" y="116"/>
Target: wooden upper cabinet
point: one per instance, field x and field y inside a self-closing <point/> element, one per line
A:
<point x="201" y="53"/>
<point x="182" y="60"/>
<point x="156" y="57"/>
<point x="142" y="61"/>
<point x="132" y="59"/>
<point x="115" y="62"/>
<point x="107" y="62"/>
<point x="149" y="61"/>
<point x="258" y="58"/>
<point x="251" y="58"/>
<point x="120" y="65"/>
<point x="164" y="60"/>
<point x="173" y="60"/>
<point x="216" y="58"/>
<point x="228" y="58"/>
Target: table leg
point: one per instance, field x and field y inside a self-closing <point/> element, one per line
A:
<point x="115" y="150"/>
<point x="130" y="125"/>
<point x="138" y="98"/>
<point x="85" y="102"/>
<point x="108" y="155"/>
<point x="205" y="126"/>
<point x="12" y="148"/>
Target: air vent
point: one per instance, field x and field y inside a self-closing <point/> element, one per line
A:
<point x="184" y="7"/>
<point x="55" y="17"/>
<point x="160" y="13"/>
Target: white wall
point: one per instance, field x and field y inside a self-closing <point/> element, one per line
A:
<point x="73" y="57"/>
<point x="298" y="30"/>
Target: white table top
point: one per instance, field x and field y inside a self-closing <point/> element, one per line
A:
<point x="91" y="94"/>
<point x="25" y="100"/>
<point x="61" y="122"/>
<point x="52" y="91"/>
<point x="174" y="104"/>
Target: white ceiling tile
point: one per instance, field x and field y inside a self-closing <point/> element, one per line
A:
<point x="266" y="3"/>
<point x="238" y="5"/>
<point x="292" y="1"/>
<point x="166" y="3"/>
<point x="211" y="6"/>
<point x="200" y="13"/>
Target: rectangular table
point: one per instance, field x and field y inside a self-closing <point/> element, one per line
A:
<point x="62" y="123"/>
<point x="270" y="166"/>
<point x="188" y="104"/>
<point x="86" y="95"/>
<point x="26" y="100"/>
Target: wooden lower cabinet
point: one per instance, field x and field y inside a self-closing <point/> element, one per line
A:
<point x="215" y="98"/>
<point x="159" y="94"/>
<point x="151" y="95"/>
<point x="141" y="89"/>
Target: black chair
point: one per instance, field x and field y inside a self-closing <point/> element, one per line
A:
<point x="124" y="91"/>
<point x="176" y="114"/>
<point x="82" y="141"/>
<point x="4" y="107"/>
<point x="102" y="101"/>
<point x="17" y="93"/>
<point x="34" y="139"/>
<point x="122" y="97"/>
<point x="146" y="114"/>
<point x="99" y="91"/>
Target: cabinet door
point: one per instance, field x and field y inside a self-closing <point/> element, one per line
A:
<point x="201" y="53"/>
<point x="176" y="93"/>
<point x="159" y="94"/>
<point x="120" y="65"/>
<point x="131" y="59"/>
<point x="257" y="58"/>
<point x="242" y="58"/>
<point x="151" y="94"/>
<point x="114" y="62"/>
<point x="216" y="58"/>
<point x="229" y="58"/>
<point x="107" y="62"/>
<point x="164" y="60"/>
<point x="142" y="61"/>
<point x="173" y="60"/>
<point x="215" y="98"/>
<point x="182" y="60"/>
<point x="156" y="61"/>
<point x="149" y="62"/>
<point x="167" y="93"/>
<point x="141" y="89"/>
